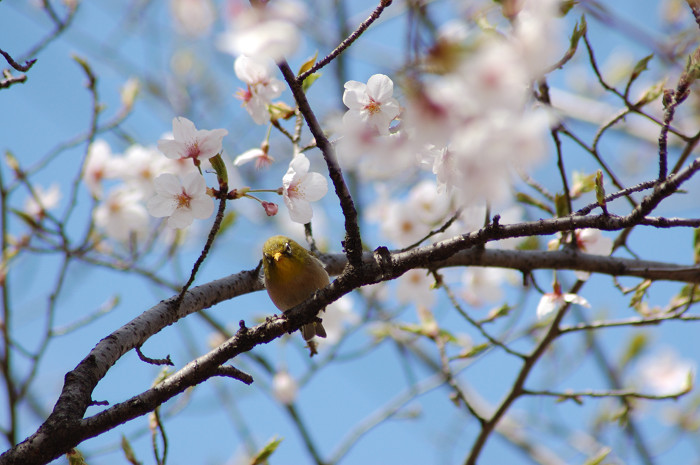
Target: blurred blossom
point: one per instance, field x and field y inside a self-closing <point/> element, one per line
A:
<point x="408" y="220"/>
<point x="121" y="215"/>
<point x="337" y="315"/>
<point x="100" y="165"/>
<point x="371" y="105"/>
<point x="260" y="157"/>
<point x="284" y="387"/>
<point x="181" y="202"/>
<point x="476" y="118"/>
<point x="45" y="200"/>
<point x="193" y="18"/>
<point x="593" y="242"/>
<point x="665" y="373"/>
<point x="416" y="287"/>
<point x="191" y="143"/>
<point x="140" y="166"/>
<point x="553" y="301"/>
<point x="261" y="86"/>
<point x="268" y="30"/>
<point x="484" y="285"/>
<point x="373" y="155"/>
<point x="300" y="187"/>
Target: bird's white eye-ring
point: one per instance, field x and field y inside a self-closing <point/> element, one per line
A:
<point x="288" y="248"/>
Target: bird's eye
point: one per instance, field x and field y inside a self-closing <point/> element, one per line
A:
<point x="267" y="257"/>
<point x="288" y="248"/>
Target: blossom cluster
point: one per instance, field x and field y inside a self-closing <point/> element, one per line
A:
<point x="147" y="180"/>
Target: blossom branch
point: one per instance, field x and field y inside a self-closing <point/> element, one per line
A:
<point x="347" y="42"/>
<point x="624" y="393"/>
<point x="353" y="241"/>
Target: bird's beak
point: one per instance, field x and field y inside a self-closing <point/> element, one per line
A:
<point x="277" y="256"/>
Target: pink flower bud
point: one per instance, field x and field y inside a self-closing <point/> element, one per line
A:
<point x="270" y="208"/>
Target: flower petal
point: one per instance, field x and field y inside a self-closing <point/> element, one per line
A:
<point x="380" y="87"/>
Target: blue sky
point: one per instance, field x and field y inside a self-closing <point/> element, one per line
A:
<point x="53" y="107"/>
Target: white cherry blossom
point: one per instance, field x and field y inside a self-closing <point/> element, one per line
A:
<point x="122" y="216"/>
<point x="181" y="202"/>
<point x="665" y="373"/>
<point x="269" y="31"/>
<point x="284" y="387"/>
<point x="553" y="301"/>
<point x="259" y="156"/>
<point x="300" y="187"/>
<point x="100" y="165"/>
<point x="371" y="104"/>
<point x="193" y="18"/>
<point x="189" y="142"/>
<point x="261" y="86"/>
<point x="45" y="200"/>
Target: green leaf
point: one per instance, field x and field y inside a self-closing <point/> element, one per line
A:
<point x="308" y="64"/>
<point x="640" y="67"/>
<point x="566" y="6"/>
<point x="218" y="164"/>
<point x="529" y="200"/>
<point x="265" y="453"/>
<point x="652" y="93"/>
<point x="634" y="349"/>
<point x="310" y="80"/>
<point x="561" y="205"/>
<point x="696" y="245"/>
<point x="228" y="221"/>
<point x="598" y="458"/>
<point x="129" y="451"/>
<point x="599" y="189"/>
<point x="474" y="351"/>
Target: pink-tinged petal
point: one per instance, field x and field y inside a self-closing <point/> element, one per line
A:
<point x="183" y="129"/>
<point x="171" y="148"/>
<point x="181" y="218"/>
<point x="391" y="108"/>
<point x="202" y="207"/>
<point x="576" y="299"/>
<point x="355" y="96"/>
<point x="161" y="206"/>
<point x="315" y="187"/>
<point x="210" y="141"/>
<point x="299" y="210"/>
<point x="298" y="167"/>
<point x="167" y="184"/>
<point x="194" y="184"/>
<point x="355" y="119"/>
<point x="380" y="87"/>
<point x="548" y="304"/>
<point x="247" y="156"/>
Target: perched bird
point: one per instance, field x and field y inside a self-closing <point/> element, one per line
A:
<point x="292" y="275"/>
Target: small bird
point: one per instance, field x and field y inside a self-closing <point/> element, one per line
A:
<point x="292" y="275"/>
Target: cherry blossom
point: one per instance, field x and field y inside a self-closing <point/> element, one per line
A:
<point x="415" y="287"/>
<point x="122" y="216"/>
<point x="300" y="187"/>
<point x="181" y="202"/>
<point x="553" y="301"/>
<point x="193" y="17"/>
<point x="665" y="373"/>
<point x="261" y="87"/>
<point x="267" y="31"/>
<point x="189" y="142"/>
<point x="284" y="387"/>
<point x="259" y="156"/>
<point x="338" y="315"/>
<point x="371" y="104"/>
<point x="100" y="165"/>
<point x="46" y="199"/>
